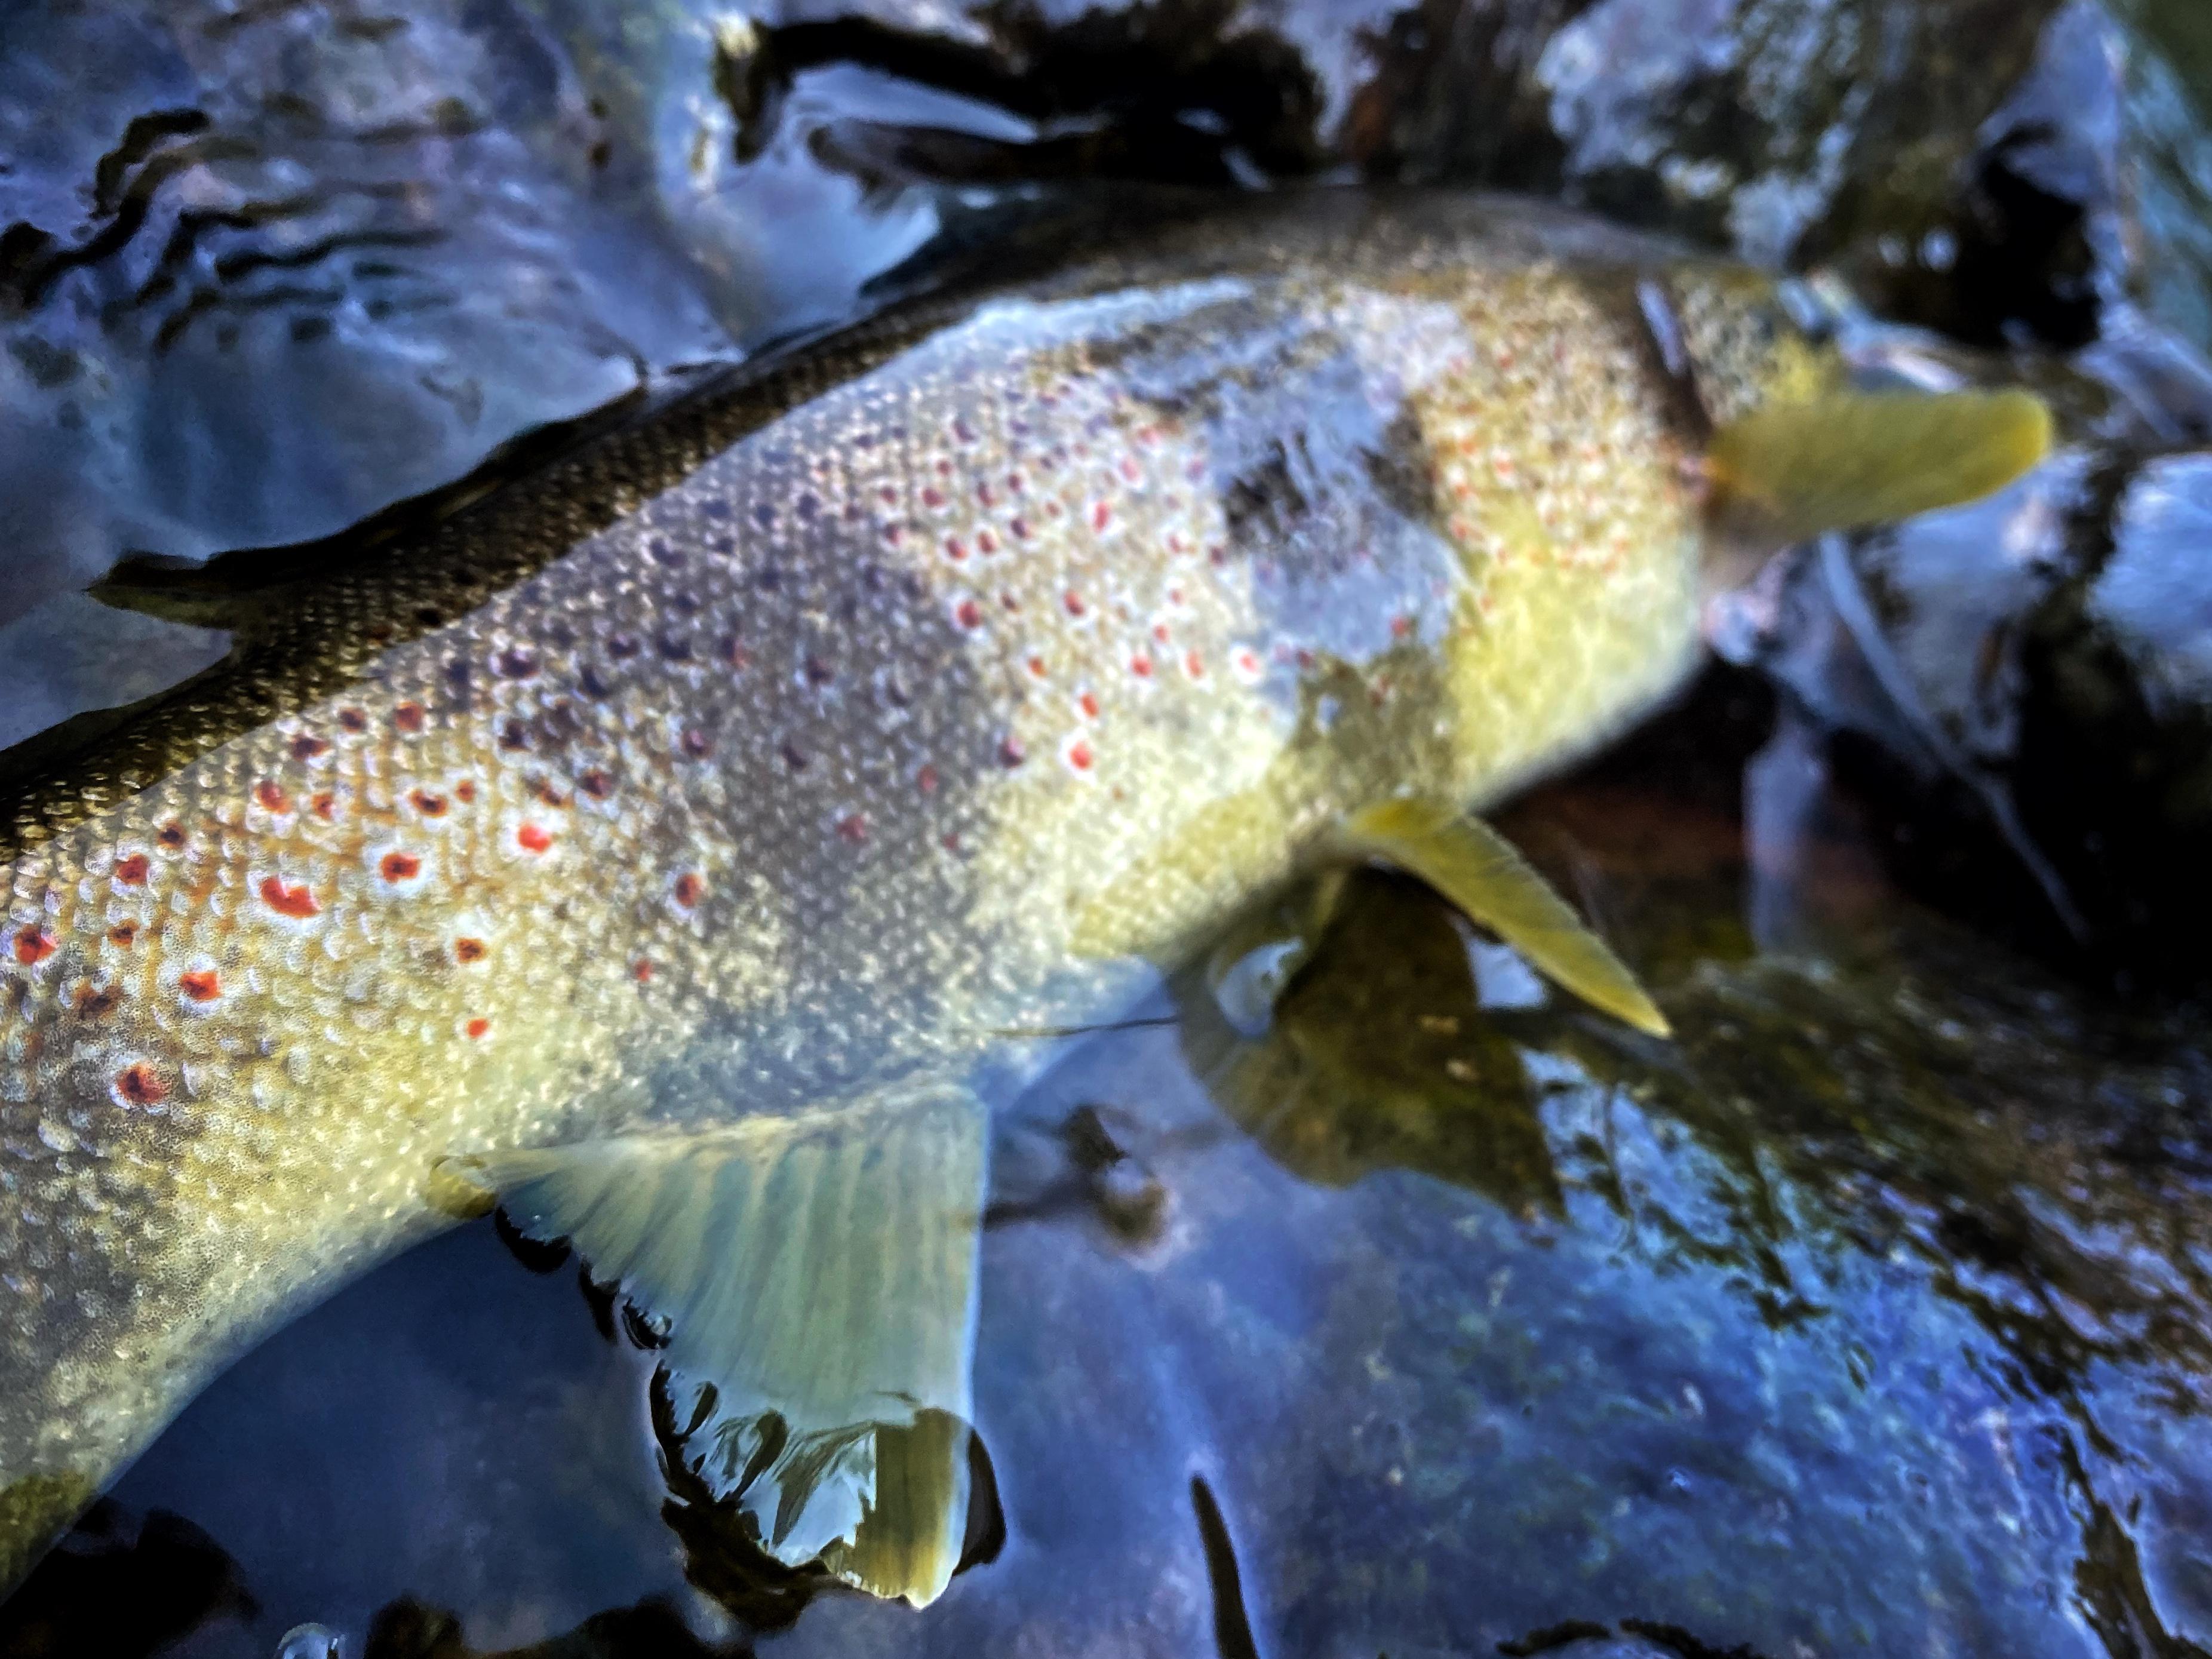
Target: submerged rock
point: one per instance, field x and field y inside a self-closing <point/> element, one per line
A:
<point x="2022" y="690"/>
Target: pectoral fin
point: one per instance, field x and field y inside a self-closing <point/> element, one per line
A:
<point x="1796" y="470"/>
<point x="1481" y="873"/>
<point x="816" y="1275"/>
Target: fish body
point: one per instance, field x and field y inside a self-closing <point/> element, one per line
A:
<point x="939" y="706"/>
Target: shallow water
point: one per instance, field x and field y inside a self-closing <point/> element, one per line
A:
<point x="1872" y="1315"/>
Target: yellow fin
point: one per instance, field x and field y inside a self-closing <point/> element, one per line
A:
<point x="817" y="1277"/>
<point x="1481" y="873"/>
<point x="1867" y="457"/>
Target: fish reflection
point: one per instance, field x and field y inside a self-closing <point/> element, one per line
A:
<point x="1894" y="1174"/>
<point x="1379" y="1055"/>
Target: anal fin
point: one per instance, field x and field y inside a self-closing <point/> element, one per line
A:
<point x="1481" y="872"/>
<point x="815" y="1276"/>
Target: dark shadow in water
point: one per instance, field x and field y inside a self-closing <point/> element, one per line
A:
<point x="407" y="1628"/>
<point x="1232" y="1629"/>
<point x="119" y="1587"/>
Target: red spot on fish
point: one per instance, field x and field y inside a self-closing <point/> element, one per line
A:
<point x="1101" y="514"/>
<point x="853" y="827"/>
<point x="925" y="779"/>
<point x="1015" y="482"/>
<point x="464" y="791"/>
<point x="1160" y="632"/>
<point x="470" y="950"/>
<point x="272" y="796"/>
<point x="986" y="542"/>
<point x="1141" y="666"/>
<point x="1072" y="602"/>
<point x="123" y="935"/>
<point x="641" y="971"/>
<point x="307" y="748"/>
<point x="1400" y="626"/>
<point x="983" y="492"/>
<point x="1088" y="702"/>
<point x="1130" y="470"/>
<point x="202" y="986"/>
<point x="1009" y="602"/>
<point x="408" y="717"/>
<point x="596" y="784"/>
<point x="968" y="614"/>
<point x="94" y="1001"/>
<point x="32" y="945"/>
<point x="1021" y="529"/>
<point x="1011" y="752"/>
<point x="533" y="839"/>
<point x="1193" y="666"/>
<point x="476" y="1028"/>
<point x="931" y="497"/>
<point x="399" y="866"/>
<point x="353" y="720"/>
<point x="325" y="806"/>
<point x="1079" y="755"/>
<point x="955" y="549"/>
<point x="430" y="804"/>
<point x="131" y="871"/>
<point x="696" y="744"/>
<point x="690" y="887"/>
<point x="1037" y="666"/>
<point x="171" y="835"/>
<point x="140" y="1085"/>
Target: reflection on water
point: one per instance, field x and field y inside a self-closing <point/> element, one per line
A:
<point x="1872" y="1314"/>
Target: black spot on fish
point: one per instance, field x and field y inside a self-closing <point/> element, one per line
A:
<point x="622" y="647"/>
<point x="673" y="647"/>
<point x="765" y="516"/>
<point x="716" y="509"/>
<point x="768" y="578"/>
<point x="514" y="735"/>
<point x="560" y="722"/>
<point x="516" y="664"/>
<point x="592" y="683"/>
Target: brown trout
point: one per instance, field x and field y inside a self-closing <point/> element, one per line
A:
<point x="680" y="890"/>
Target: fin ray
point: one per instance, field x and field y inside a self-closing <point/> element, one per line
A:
<point x="817" y="1273"/>
<point x="1855" y="458"/>
<point x="1485" y="876"/>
